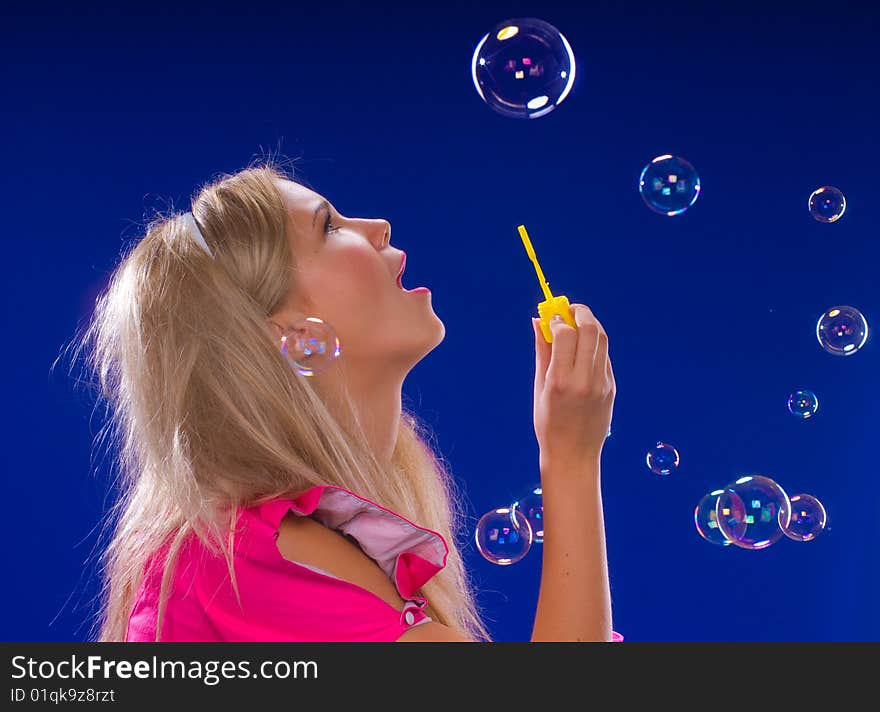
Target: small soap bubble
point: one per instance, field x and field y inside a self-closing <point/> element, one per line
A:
<point x="808" y="518"/>
<point x="532" y="506"/>
<point x="753" y="511"/>
<point x="842" y="330"/>
<point x="523" y="68"/>
<point x="827" y="204"/>
<point x="662" y="459"/>
<point x="803" y="404"/>
<point x="669" y="185"/>
<point x="706" y="520"/>
<point x="310" y="346"/>
<point x="503" y="536"/>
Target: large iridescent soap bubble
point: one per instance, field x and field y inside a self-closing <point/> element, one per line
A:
<point x="753" y="511"/>
<point x="503" y="536"/>
<point x="842" y="330"/>
<point x="669" y="185"/>
<point x="808" y="518"/>
<point x="827" y="204"/>
<point x="310" y="346"/>
<point x="523" y="68"/>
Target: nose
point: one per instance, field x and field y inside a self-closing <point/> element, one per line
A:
<point x="383" y="230"/>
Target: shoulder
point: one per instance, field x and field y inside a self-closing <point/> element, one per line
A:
<point x="325" y="565"/>
<point x="304" y="541"/>
<point x="334" y="565"/>
<point x="409" y="554"/>
<point x="350" y="562"/>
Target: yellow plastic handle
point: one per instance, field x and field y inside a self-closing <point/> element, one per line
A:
<point x="546" y="310"/>
<point x="551" y="305"/>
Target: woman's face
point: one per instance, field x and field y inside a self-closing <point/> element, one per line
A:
<point x="347" y="275"/>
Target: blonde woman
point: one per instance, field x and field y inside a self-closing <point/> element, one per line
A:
<point x="260" y="504"/>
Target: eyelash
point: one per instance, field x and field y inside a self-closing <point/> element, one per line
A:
<point x="328" y="227"/>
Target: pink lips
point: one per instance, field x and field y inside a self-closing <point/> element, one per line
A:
<point x="400" y="276"/>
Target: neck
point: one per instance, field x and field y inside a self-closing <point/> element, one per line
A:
<point x="378" y="407"/>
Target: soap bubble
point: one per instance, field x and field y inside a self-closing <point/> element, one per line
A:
<point x="842" y="330"/>
<point x="310" y="346"/>
<point x="503" y="536"/>
<point x="662" y="459"/>
<point x="669" y="185"/>
<point x="532" y="506"/>
<point x="827" y="204"/>
<point x="523" y="68"/>
<point x="760" y="504"/>
<point x="706" y="520"/>
<point x="808" y="518"/>
<point x="803" y="404"/>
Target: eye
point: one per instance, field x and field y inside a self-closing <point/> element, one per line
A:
<point x="328" y="227"/>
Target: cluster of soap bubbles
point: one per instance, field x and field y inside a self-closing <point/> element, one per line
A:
<point x="524" y="68"/>
<point x="755" y="512"/>
<point x="505" y="535"/>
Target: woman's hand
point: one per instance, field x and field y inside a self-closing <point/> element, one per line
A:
<point x="574" y="391"/>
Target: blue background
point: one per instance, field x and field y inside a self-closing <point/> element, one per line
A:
<point x="112" y="111"/>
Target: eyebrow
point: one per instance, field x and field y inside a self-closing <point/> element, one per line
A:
<point x="323" y="206"/>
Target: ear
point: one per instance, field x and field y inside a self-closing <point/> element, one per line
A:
<point x="276" y="330"/>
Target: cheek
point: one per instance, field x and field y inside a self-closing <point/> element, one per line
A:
<point x="354" y="279"/>
<point x="351" y="288"/>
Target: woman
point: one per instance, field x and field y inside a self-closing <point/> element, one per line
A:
<point x="258" y="504"/>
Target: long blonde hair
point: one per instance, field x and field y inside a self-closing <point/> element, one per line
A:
<point x="207" y="417"/>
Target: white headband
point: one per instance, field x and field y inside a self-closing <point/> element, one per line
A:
<point x="197" y="234"/>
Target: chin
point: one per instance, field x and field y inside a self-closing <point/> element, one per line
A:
<point x="441" y="330"/>
<point x="434" y="339"/>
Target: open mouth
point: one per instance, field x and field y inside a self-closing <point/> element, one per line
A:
<point x="400" y="278"/>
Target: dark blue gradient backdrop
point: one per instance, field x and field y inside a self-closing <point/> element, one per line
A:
<point x="112" y="111"/>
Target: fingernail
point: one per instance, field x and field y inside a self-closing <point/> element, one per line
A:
<point x="556" y="317"/>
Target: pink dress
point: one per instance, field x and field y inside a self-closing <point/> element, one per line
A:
<point x="284" y="600"/>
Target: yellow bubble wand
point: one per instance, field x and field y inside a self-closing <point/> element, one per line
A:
<point x="551" y="305"/>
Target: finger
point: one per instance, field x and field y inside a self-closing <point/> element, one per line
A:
<point x="542" y="353"/>
<point x="600" y="365"/>
<point x="565" y="340"/>
<point x="601" y="355"/>
<point x="610" y="375"/>
<point x="588" y="340"/>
